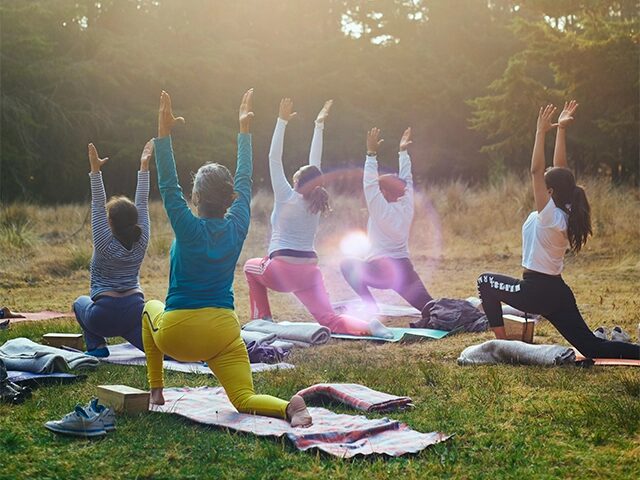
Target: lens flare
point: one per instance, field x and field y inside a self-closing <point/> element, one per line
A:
<point x="355" y="244"/>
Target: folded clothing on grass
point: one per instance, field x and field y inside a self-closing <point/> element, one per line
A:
<point x="127" y="354"/>
<point x="400" y="335"/>
<point x="343" y="436"/>
<point x="298" y="333"/>
<point x="26" y="356"/>
<point x="516" y="352"/>
<point x="357" y="396"/>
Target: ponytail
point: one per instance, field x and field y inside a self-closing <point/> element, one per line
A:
<point x="579" y="227"/>
<point x="318" y="200"/>
<point x="123" y="218"/>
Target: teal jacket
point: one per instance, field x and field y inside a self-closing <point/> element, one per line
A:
<point x="205" y="251"/>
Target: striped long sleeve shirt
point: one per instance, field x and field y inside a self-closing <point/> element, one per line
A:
<point x="113" y="267"/>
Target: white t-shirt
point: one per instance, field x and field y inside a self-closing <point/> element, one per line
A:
<point x="545" y="240"/>
<point x="293" y="226"/>
<point x="389" y="222"/>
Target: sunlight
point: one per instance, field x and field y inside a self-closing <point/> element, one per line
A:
<point x="355" y="244"/>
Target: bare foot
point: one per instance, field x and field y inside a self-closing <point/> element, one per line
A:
<point x="379" y="330"/>
<point x="297" y="412"/>
<point x="157" y="398"/>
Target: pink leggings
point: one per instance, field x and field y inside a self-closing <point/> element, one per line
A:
<point x="305" y="281"/>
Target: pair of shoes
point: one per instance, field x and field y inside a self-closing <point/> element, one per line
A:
<point x="617" y="334"/>
<point x="102" y="352"/>
<point x="92" y="420"/>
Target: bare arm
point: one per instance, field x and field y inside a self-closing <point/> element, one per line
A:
<point x="565" y="119"/>
<point x="540" y="192"/>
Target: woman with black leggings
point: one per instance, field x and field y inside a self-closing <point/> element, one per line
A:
<point x="562" y="220"/>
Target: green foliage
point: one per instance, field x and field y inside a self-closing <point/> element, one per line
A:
<point x="79" y="71"/>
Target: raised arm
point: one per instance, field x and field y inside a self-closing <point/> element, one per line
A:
<point x="540" y="191"/>
<point x="315" y="155"/>
<point x="100" y="230"/>
<point x="240" y="210"/>
<point x="183" y="222"/>
<point x="565" y="119"/>
<point x="370" y="183"/>
<point x="281" y="187"/>
<point x="404" y="165"/>
<point x="142" y="191"/>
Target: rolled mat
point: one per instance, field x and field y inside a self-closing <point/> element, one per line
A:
<point x="299" y="333"/>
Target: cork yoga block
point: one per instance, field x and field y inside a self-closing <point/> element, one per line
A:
<point x="124" y="399"/>
<point x="518" y="328"/>
<point x="72" y="340"/>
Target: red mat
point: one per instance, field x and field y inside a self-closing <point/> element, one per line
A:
<point x="45" y="315"/>
<point x="606" y="362"/>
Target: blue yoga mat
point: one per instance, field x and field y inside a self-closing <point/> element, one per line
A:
<point x="17" y="376"/>
<point x="400" y="335"/>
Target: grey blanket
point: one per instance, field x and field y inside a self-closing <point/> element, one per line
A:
<point x="298" y="333"/>
<point x="516" y="352"/>
<point x="26" y="356"/>
<point x="254" y="339"/>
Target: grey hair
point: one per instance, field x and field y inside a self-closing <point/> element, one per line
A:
<point x="213" y="190"/>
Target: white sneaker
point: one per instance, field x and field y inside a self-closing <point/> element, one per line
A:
<point x="79" y="423"/>
<point x="107" y="414"/>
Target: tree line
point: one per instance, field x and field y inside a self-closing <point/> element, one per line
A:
<point x="467" y="75"/>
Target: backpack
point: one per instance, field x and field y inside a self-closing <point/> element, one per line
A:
<point x="450" y="314"/>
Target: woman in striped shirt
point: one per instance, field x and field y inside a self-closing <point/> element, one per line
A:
<point x="120" y="231"/>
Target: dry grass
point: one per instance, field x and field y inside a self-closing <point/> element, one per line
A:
<point x="510" y="422"/>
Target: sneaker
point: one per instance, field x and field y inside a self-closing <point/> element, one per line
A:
<point x="107" y="414"/>
<point x="619" y="335"/>
<point x="601" y="332"/>
<point x="102" y="352"/>
<point x="79" y="423"/>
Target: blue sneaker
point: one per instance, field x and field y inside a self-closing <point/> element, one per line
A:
<point x="79" y="423"/>
<point x="107" y="414"/>
<point x="102" y="352"/>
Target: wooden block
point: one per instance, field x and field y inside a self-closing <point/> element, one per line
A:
<point x="73" y="340"/>
<point x="518" y="328"/>
<point x="124" y="399"/>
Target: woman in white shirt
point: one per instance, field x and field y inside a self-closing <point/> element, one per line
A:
<point x="562" y="221"/>
<point x="390" y="203"/>
<point x="292" y="263"/>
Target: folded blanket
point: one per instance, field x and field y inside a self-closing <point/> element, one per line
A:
<point x="127" y="354"/>
<point x="357" y="396"/>
<point x="343" y="436"/>
<point x="26" y="356"/>
<point x="298" y="333"/>
<point x="516" y="352"/>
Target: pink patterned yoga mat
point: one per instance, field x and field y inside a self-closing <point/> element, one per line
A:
<point x="340" y="435"/>
<point x="45" y="315"/>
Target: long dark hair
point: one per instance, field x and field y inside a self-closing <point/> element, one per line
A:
<point x="123" y="219"/>
<point x="311" y="186"/>
<point x="573" y="200"/>
<point x="213" y="190"/>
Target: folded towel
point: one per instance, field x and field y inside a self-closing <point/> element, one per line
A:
<point x="26" y="356"/>
<point x="516" y="352"/>
<point x="357" y="396"/>
<point x="298" y="333"/>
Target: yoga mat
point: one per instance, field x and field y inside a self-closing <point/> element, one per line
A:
<point x="343" y="436"/>
<point x="400" y="335"/>
<point x="18" y="377"/>
<point x="355" y="305"/>
<point x="127" y="354"/>
<point x="44" y="315"/>
<point x="608" y="362"/>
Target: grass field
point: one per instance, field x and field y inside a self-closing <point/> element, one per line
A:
<point x="509" y="422"/>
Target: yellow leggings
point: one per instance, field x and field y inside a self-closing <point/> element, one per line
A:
<point x="212" y="335"/>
